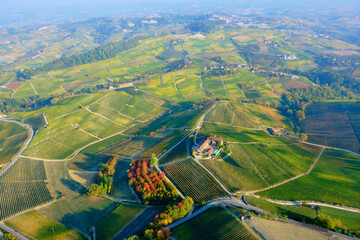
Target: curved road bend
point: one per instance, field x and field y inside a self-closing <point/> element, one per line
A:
<point x="13" y="232"/>
<point x="16" y="157"/>
<point x="237" y="203"/>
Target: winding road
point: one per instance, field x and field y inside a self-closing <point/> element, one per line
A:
<point x="27" y="143"/>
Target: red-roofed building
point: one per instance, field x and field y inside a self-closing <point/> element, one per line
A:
<point x="203" y="146"/>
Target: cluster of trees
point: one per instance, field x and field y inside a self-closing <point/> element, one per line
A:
<point x="200" y="104"/>
<point x="151" y="186"/>
<point x="295" y="102"/>
<point x="175" y="210"/>
<point x="204" y="26"/>
<point x="338" y="84"/>
<point x="8" y="105"/>
<point x="218" y="72"/>
<point x="177" y="65"/>
<point x="331" y="60"/>
<point x="218" y="59"/>
<point x="100" y="53"/>
<point x="105" y="179"/>
<point x="26" y="104"/>
<point x="246" y="86"/>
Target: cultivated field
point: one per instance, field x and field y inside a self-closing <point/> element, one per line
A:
<point x="215" y="223"/>
<point x="12" y="137"/>
<point x="276" y="230"/>
<point x="36" y="226"/>
<point x="335" y="179"/>
<point x="23" y="187"/>
<point x="121" y="189"/>
<point x="255" y="166"/>
<point x="79" y="212"/>
<point x="116" y="220"/>
<point x="194" y="181"/>
<point x="332" y="125"/>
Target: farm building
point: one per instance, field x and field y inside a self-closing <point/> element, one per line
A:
<point x="209" y="146"/>
<point x="276" y="131"/>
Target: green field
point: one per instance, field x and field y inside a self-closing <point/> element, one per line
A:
<point x="121" y="189"/>
<point x="215" y="223"/>
<point x="208" y="45"/>
<point x="12" y="138"/>
<point x="79" y="212"/>
<point x="255" y="166"/>
<point x="25" y="90"/>
<point x="246" y="115"/>
<point x="36" y="122"/>
<point x="307" y="214"/>
<point x="335" y="179"/>
<point x="36" y="226"/>
<point x="194" y="181"/>
<point x="116" y="220"/>
<point x="177" y="153"/>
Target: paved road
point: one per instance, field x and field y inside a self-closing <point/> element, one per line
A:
<point x="299" y="203"/>
<point x="13" y="232"/>
<point x="221" y="202"/>
<point x="30" y="137"/>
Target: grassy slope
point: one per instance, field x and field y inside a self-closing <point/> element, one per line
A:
<point x="36" y="226"/>
<point x="12" y="137"/>
<point x="78" y="212"/>
<point x="335" y="179"/>
<point x="301" y="213"/>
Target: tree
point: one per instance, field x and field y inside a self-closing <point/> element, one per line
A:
<point x="154" y="160"/>
<point x="94" y="190"/>
<point x="135" y="237"/>
<point x="303" y="137"/>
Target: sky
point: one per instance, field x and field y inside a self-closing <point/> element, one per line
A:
<point x="28" y="12"/>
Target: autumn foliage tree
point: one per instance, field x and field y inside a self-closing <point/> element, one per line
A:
<point x="105" y="179"/>
<point x="150" y="185"/>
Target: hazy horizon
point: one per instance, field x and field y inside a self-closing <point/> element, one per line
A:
<point x="23" y="12"/>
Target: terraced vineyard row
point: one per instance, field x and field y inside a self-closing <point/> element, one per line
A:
<point x="194" y="181"/>
<point x="19" y="196"/>
<point x="327" y="123"/>
<point x="110" y="225"/>
<point x="215" y="223"/>
<point x="25" y="170"/>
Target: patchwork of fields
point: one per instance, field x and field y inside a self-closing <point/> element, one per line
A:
<point x="151" y="96"/>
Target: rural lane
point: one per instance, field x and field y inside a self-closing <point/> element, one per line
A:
<point x="18" y="154"/>
<point x="13" y="232"/>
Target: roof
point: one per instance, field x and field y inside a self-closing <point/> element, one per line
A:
<point x="214" y="138"/>
<point x="204" y="145"/>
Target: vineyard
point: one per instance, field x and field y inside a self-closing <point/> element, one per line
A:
<point x="330" y="123"/>
<point x="332" y="129"/>
<point x="12" y="137"/>
<point x="110" y="225"/>
<point x="335" y="179"/>
<point x="215" y="223"/>
<point x="23" y="187"/>
<point x="194" y="181"/>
